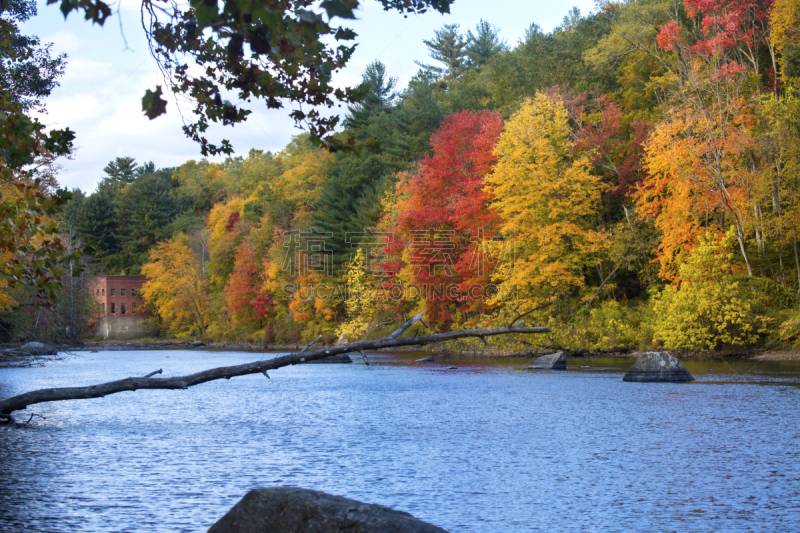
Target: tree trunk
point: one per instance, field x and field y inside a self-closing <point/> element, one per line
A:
<point x="740" y="238"/>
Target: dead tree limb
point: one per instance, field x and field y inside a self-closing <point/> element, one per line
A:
<point x="526" y="313"/>
<point x="17" y="403"/>
<point x="310" y="344"/>
<point x="613" y="273"/>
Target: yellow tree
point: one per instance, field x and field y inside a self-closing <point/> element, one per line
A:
<point x="784" y="19"/>
<point x="360" y="303"/>
<point x="779" y="143"/>
<point x="549" y="203"/>
<point x="176" y="288"/>
<point x="705" y="309"/>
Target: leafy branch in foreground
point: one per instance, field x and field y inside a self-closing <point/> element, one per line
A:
<point x="276" y="52"/>
<point x="17" y="403"/>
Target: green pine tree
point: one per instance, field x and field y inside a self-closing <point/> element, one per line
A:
<point x="447" y="47"/>
<point x="483" y="44"/>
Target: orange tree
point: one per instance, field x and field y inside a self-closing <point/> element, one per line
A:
<point x="700" y="157"/>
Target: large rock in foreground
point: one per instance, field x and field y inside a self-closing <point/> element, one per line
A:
<point x="657" y="366"/>
<point x="553" y="361"/>
<point x="283" y="509"/>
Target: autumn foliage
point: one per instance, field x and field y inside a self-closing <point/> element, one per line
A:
<point x="443" y="216"/>
<point x="247" y="299"/>
<point x="176" y="288"/>
<point x="651" y="200"/>
<point x="548" y="200"/>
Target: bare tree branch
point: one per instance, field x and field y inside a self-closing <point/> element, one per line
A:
<point x="310" y="344"/>
<point x="19" y="402"/>
<point x="526" y="313"/>
<point x="407" y="324"/>
<point x="613" y="273"/>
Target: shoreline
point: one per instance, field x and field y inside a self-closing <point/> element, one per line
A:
<point x="13" y="353"/>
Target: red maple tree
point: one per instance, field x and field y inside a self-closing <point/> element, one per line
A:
<point x="246" y="298"/>
<point x="444" y="215"/>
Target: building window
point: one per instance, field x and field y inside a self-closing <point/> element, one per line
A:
<point x="112" y="292"/>
<point x="104" y="292"/>
<point x="122" y="308"/>
<point x="97" y="292"/>
<point x="133" y="308"/>
<point x="133" y="292"/>
<point x="122" y="292"/>
<point x="104" y="308"/>
<point x="113" y="310"/>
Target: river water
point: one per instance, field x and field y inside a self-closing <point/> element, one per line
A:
<point x="488" y="447"/>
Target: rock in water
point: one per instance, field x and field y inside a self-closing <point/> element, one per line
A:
<point x="553" y="361"/>
<point x="38" y="348"/>
<point x="282" y="509"/>
<point x="428" y="359"/>
<point x="339" y="358"/>
<point x="657" y="366"/>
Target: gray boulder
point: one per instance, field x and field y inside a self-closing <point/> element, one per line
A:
<point x="339" y="358"/>
<point x="38" y="348"/>
<point x="282" y="509"/>
<point x="553" y="361"/>
<point x="657" y="366"/>
<point x="428" y="359"/>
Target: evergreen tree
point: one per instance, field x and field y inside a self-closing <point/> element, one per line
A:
<point x="447" y="47"/>
<point x="119" y="172"/>
<point x="147" y="168"/>
<point x="350" y="202"/>
<point x="540" y="61"/>
<point x="371" y="118"/>
<point x="483" y="44"/>
<point x="146" y="209"/>
<point x="418" y="116"/>
<point x="97" y="222"/>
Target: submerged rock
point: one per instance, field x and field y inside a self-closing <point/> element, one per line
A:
<point x="339" y="358"/>
<point x="657" y="366"/>
<point x="553" y="361"/>
<point x="428" y="359"/>
<point x="282" y="509"/>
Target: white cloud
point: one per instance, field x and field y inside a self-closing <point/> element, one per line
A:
<point x="64" y="42"/>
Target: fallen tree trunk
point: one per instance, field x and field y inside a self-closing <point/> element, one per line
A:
<point x="17" y="403"/>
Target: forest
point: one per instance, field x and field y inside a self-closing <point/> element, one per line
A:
<point x="629" y="179"/>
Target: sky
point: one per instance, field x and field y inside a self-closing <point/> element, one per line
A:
<point x="109" y="69"/>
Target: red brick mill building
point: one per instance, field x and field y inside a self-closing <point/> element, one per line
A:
<point x="123" y="315"/>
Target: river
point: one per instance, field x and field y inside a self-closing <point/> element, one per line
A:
<point x="489" y="447"/>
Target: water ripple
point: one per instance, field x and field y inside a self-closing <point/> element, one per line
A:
<point x="488" y="447"/>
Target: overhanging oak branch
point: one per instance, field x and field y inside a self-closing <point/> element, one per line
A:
<point x="17" y="403"/>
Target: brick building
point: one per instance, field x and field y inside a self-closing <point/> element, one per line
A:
<point x="123" y="313"/>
